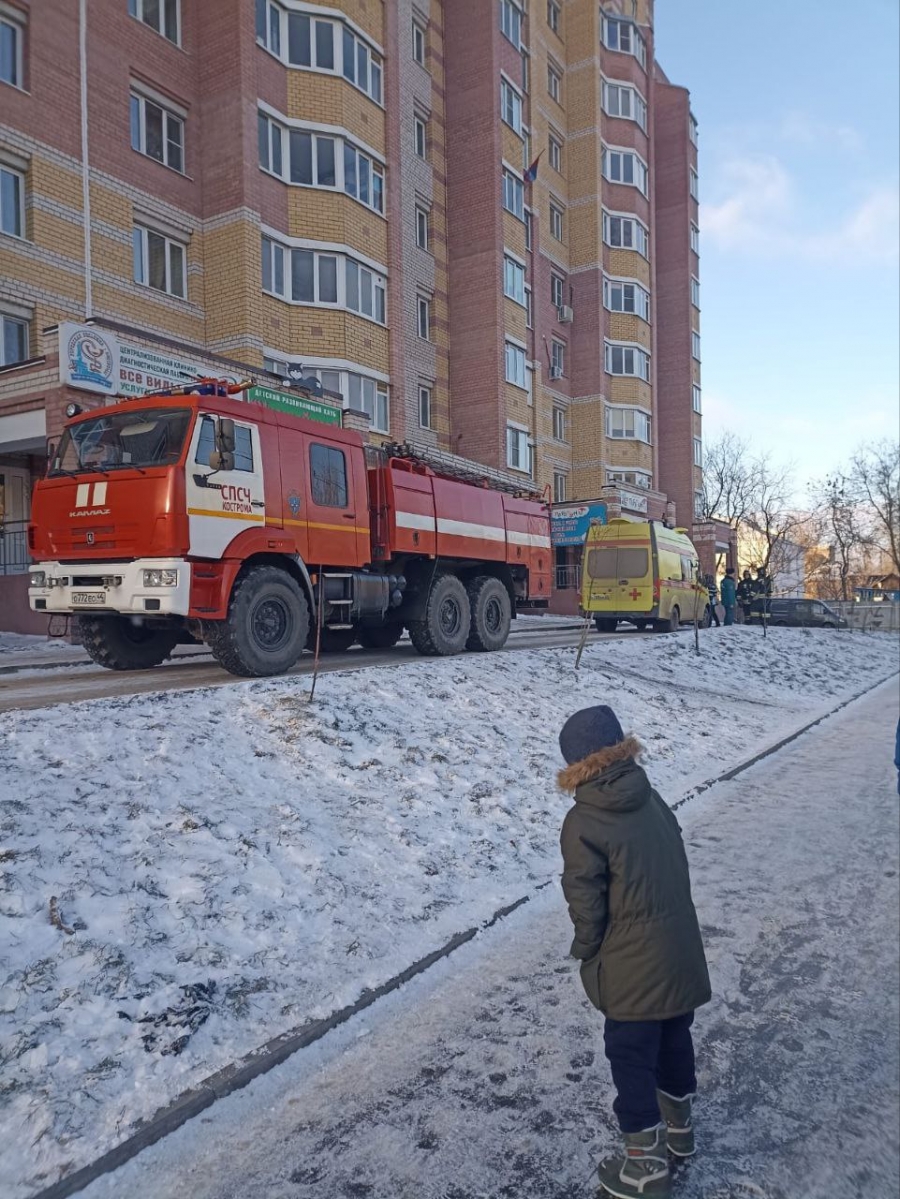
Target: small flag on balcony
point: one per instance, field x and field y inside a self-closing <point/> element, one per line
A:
<point x="531" y="174"/>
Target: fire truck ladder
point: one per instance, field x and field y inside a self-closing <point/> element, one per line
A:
<point x="453" y="466"/>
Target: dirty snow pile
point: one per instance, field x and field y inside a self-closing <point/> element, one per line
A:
<point x="228" y="864"/>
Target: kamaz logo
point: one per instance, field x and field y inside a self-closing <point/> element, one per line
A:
<point x="83" y="498"/>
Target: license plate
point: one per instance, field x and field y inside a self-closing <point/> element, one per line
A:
<point x="89" y="599"/>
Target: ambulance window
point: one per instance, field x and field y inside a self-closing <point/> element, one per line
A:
<point x="602" y="564"/>
<point x="243" y="444"/>
<point x="328" y="476"/>
<point x="611" y="563"/>
<point x="632" y="564"/>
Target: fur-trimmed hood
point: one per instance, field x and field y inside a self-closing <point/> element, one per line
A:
<point x="595" y="764"/>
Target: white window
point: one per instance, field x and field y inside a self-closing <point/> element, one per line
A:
<point x="695" y="292"/>
<point x="369" y="396"/>
<point x="418" y="45"/>
<point x="363" y="176"/>
<point x="513" y="280"/>
<point x="695" y="345"/>
<point x="559" y="424"/>
<point x="157" y="132"/>
<point x="365" y="291"/>
<point x="627" y="360"/>
<point x="513" y="194"/>
<point x="422" y="239"/>
<point x="554" y="82"/>
<point x="510" y="106"/>
<point x="553" y="15"/>
<point x="560" y="487"/>
<point x="633" y="478"/>
<point x="159" y="262"/>
<point x="529" y="309"/>
<point x="161" y="15"/>
<point x="623" y="36"/>
<point x="268" y="25"/>
<point x="621" y="100"/>
<point x="423" y="317"/>
<point x="12" y="202"/>
<point x="324" y="279"/>
<point x="698" y="406"/>
<point x="525" y="69"/>
<point x="310" y="43"/>
<point x="13" y="340"/>
<point x="313" y="160"/>
<point x="695" y="238"/>
<point x="11" y="38"/>
<point x="698" y="452"/>
<point x="511" y="22"/>
<point x="420" y="132"/>
<point x="361" y="66"/>
<point x="692" y="128"/>
<point x="624" y="166"/>
<point x="557" y="359"/>
<point x="425" y="407"/>
<point x="270" y="139"/>
<point x="619" y="296"/>
<point x="629" y="424"/>
<point x="699" y="505"/>
<point x="557" y="290"/>
<point x="556" y="221"/>
<point x="695" y="184"/>
<point x="515" y="365"/>
<point x="519" y="450"/>
<point x="624" y="232"/>
<point x="554" y="152"/>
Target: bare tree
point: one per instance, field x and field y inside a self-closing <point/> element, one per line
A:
<point x="730" y="480"/>
<point x="845" y="536"/>
<point x="875" y="471"/>
<point x="777" y="535"/>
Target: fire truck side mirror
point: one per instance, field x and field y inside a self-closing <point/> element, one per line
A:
<point x="221" y="460"/>
<point x="225" y="440"/>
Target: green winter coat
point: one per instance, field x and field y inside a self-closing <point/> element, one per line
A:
<point x="627" y="884"/>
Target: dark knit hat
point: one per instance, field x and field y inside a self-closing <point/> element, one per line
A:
<point x="588" y="731"/>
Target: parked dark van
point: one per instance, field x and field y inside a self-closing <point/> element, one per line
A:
<point x="806" y="613"/>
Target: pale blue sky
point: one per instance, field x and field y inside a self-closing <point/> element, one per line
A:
<point x="797" y="104"/>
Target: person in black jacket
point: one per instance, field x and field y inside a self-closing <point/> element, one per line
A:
<point x="745" y="595"/>
<point x="637" y="936"/>
<point x="762" y="594"/>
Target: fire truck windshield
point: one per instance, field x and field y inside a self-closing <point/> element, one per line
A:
<point x="122" y="440"/>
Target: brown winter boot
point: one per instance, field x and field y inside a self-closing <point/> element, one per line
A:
<point x="642" y="1172"/>
<point x="679" y="1119"/>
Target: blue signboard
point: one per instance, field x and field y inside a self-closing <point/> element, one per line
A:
<point x="569" y="523"/>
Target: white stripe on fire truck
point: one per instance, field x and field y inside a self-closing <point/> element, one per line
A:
<point x="466" y="528"/>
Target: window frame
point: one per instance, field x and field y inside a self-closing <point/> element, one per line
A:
<point x="512" y="180"/>
<point x="637" y="47"/>
<point x="515" y="354"/>
<point x="511" y="10"/>
<point x="333" y="453"/>
<point x="695" y="238"/>
<point x="371" y="279"/>
<point x="695" y="292"/>
<point x="697" y="455"/>
<point x="17" y="31"/>
<point x="640" y="356"/>
<point x="560" y="420"/>
<point x="144" y="233"/>
<point x="554" y="83"/>
<point x="637" y="103"/>
<point x="694" y="184"/>
<point x="632" y="220"/>
<point x="641" y="423"/>
<point x="420" y="123"/>
<point x="19" y="211"/>
<point x="423" y="317"/>
<point x="423" y="231"/>
<point x="142" y="100"/>
<point x="554" y="12"/>
<point x="697" y="398"/>
<point x="554" y="152"/>
<point x="136" y="10"/>
<point x="558" y="355"/>
<point x="560" y="486"/>
<point x="519" y="436"/>
<point x="426" y="413"/>
<point x="419" y="42"/>
<point x="556" y="221"/>
<point x="23" y="323"/>
<point x="695" y="345"/>
<point x="512" y="106"/>
<point x="640" y="297"/>
<point x="639" y="168"/>
<point x="642" y="478"/>
<point x="512" y="267"/>
<point x="343" y="65"/>
<point x="557" y="285"/>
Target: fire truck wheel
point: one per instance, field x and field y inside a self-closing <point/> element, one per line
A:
<point x="489" y="601"/>
<point x="266" y="627"/>
<point x="381" y="636"/>
<point x="118" y="644"/>
<point x="445" y="625"/>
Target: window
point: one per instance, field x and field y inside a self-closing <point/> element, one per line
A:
<point x="363" y="176"/>
<point x="318" y="45"/>
<point x="511" y="106"/>
<point x="619" y="296"/>
<point x="514" y="194"/>
<point x="12" y="202"/>
<point x="554" y="83"/>
<point x="524" y="69"/>
<point x="557" y="359"/>
<point x="511" y="22"/>
<point x="328" y="476"/>
<point x="614" y="563"/>
<point x="519" y="449"/>
<point x="559" y="424"/>
<point x="423" y="318"/>
<point x="698" y="452"/>
<point x="697" y="405"/>
<point x="365" y="291"/>
<point x="553" y="15"/>
<point x="695" y="184"/>
<point x="425" y="407"/>
<point x="624" y="232"/>
<point x="313" y="161"/>
<point x="695" y="344"/>
<point x="624" y="166"/>
<point x="421" y="137"/>
<point x="556" y="221"/>
<point x="159" y="262"/>
<point x="557" y="290"/>
<point x="554" y="153"/>
<point x="695" y="292"/>
<point x="699" y="505"/>
<point x="310" y="43"/>
<point x="316" y="160"/>
<point x="421" y="228"/>
<point x="369" y="396"/>
<point x="623" y="36"/>
<point x="303" y="276"/>
<point x="157" y="132"/>
<point x="619" y="100"/>
<point x="692" y="128"/>
<point x="634" y="478"/>
<point x="514" y="280"/>
<point x="418" y="43"/>
<point x="627" y="424"/>
<point x="529" y="231"/>
<point x="560" y="487"/>
<point x="14" y="340"/>
<point x="11" y="37"/>
<point x="627" y="360"/>
<point x="243" y="444"/>
<point x="161" y="15"/>
<point x="268" y="26"/>
<point x="515" y="365"/>
<point x="360" y="66"/>
<point x="695" y="238"/>
<point x="270" y="138"/>
<point x="529" y="310"/>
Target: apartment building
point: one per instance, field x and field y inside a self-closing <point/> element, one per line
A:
<point x="340" y="191"/>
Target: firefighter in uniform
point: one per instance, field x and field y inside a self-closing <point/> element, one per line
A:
<point x="745" y="595"/>
<point x="762" y="594"/>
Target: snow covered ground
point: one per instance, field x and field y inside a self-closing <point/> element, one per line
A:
<point x="26" y="644"/>
<point x="245" y="862"/>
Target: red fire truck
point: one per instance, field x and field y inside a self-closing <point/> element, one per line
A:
<point x="195" y="515"/>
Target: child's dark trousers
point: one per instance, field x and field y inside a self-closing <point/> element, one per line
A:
<point x="646" y="1055"/>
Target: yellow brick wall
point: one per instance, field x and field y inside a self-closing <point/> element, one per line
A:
<point x="630" y="265"/>
<point x="624" y="326"/>
<point x="630" y="391"/>
<point x="333" y="217"/>
<point x="331" y="100"/>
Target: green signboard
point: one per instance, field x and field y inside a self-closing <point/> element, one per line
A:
<point x="297" y="405"/>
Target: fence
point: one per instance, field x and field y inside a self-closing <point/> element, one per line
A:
<point x="568" y="578"/>
<point x="883" y="617"/>
<point x="14" y="558"/>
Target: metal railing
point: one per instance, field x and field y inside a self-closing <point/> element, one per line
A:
<point x="568" y="578"/>
<point x="14" y="556"/>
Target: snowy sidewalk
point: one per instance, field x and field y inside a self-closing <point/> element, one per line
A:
<point x="485" y="1078"/>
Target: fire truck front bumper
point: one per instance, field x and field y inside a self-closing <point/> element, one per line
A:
<point x="145" y="587"/>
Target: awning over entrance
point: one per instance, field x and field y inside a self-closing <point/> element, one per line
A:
<point x="23" y="432"/>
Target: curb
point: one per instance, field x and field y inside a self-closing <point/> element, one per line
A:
<point x="272" y="1053"/>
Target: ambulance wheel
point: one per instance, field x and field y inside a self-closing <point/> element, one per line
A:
<point x="491" y="614"/>
<point x="674" y="620"/>
<point x="380" y="636"/>
<point x="117" y="643"/>
<point x="266" y="627"/>
<point x="606" y="624"/>
<point x="333" y="641"/>
<point x="444" y="627"/>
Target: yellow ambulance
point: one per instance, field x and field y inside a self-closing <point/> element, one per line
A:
<point x="642" y="572"/>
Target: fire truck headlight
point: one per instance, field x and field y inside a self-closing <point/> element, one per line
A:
<point x="160" y="578"/>
<point x="38" y="578"/>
